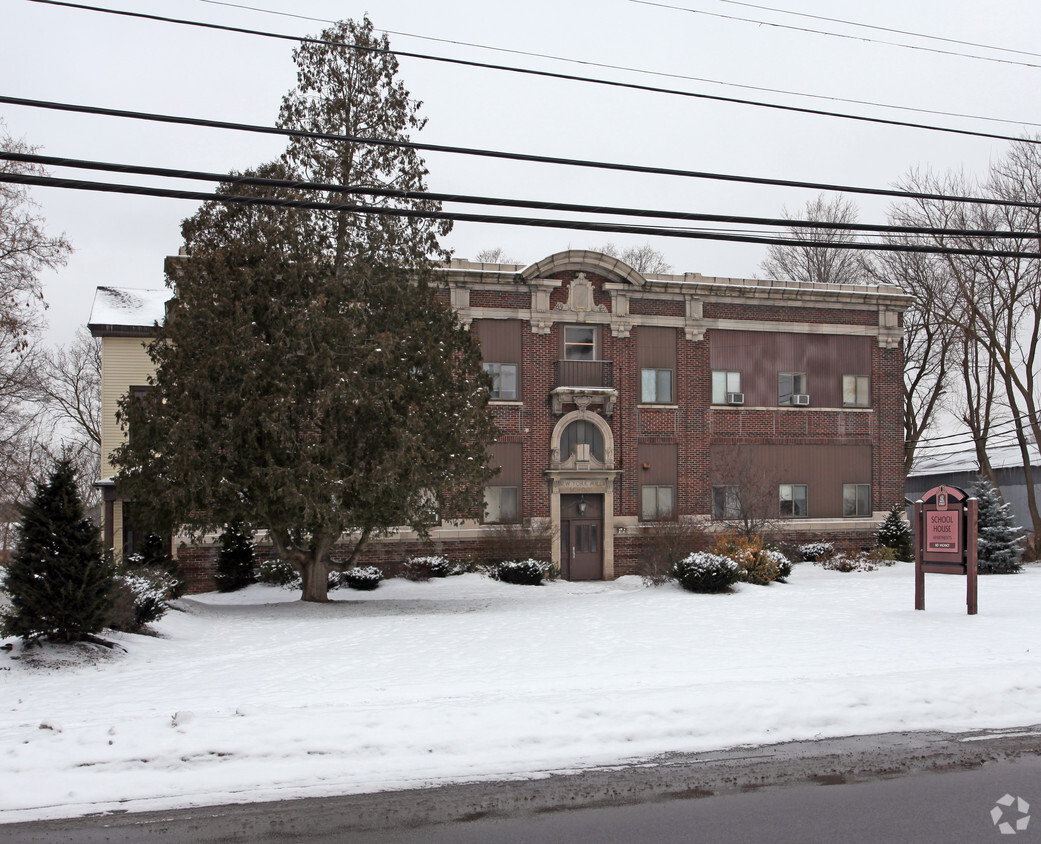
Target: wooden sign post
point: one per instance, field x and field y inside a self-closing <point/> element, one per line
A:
<point x="945" y="529"/>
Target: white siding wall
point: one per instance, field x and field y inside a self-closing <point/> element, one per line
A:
<point x="124" y="363"/>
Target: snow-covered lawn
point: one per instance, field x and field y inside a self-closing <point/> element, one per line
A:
<point x="256" y="696"/>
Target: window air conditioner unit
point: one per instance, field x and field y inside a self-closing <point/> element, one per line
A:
<point x="735" y="398"/>
<point x="801" y="400"/>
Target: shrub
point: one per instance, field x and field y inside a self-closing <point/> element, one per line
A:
<point x="235" y="561"/>
<point x="849" y="561"/>
<point x="816" y="552"/>
<point x="518" y="542"/>
<point x="781" y="563"/>
<point x="279" y="573"/>
<point x="665" y="544"/>
<point x="364" y="578"/>
<point x="424" y="568"/>
<point x="703" y="571"/>
<point x="155" y="554"/>
<point x="142" y="597"/>
<point x="524" y="572"/>
<point x="759" y="565"/>
<point x="894" y="532"/>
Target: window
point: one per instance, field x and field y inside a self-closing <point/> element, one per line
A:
<point x="656" y="503"/>
<point x="726" y="502"/>
<point x="856" y="391"/>
<point x="579" y="342"/>
<point x="789" y="385"/>
<point x="504" y="380"/>
<point x="500" y="504"/>
<point x="793" y="501"/>
<point x="582" y="432"/>
<point x="856" y="499"/>
<point x="656" y="386"/>
<point x="724" y="383"/>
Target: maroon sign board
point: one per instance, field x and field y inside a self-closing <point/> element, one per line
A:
<point x="946" y="540"/>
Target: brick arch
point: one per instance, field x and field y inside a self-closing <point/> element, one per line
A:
<point x="613" y="269"/>
<point x="589" y="416"/>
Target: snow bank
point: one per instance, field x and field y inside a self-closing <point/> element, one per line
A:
<point x="256" y="696"/>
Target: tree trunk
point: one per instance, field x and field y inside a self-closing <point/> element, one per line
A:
<point x="315" y="575"/>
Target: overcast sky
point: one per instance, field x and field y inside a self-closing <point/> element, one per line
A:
<point x="62" y="54"/>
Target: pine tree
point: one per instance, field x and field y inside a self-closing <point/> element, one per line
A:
<point x="59" y="582"/>
<point x="894" y="532"/>
<point x="235" y="561"/>
<point x="1000" y="540"/>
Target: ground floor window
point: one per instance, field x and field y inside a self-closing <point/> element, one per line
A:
<point x="726" y="502"/>
<point x="793" y="501"/>
<point x="501" y="504"/>
<point x="856" y="499"/>
<point x="656" y="503"/>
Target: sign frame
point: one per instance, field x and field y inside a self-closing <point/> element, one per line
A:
<point x="946" y="530"/>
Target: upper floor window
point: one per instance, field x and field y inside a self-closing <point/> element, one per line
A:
<point x="856" y="391"/>
<point x="656" y="386"/>
<point x="504" y="380"/>
<point x="582" y="432"/>
<point x="726" y="387"/>
<point x="579" y="342"/>
<point x="856" y="499"/>
<point x="794" y="504"/>
<point x="791" y="388"/>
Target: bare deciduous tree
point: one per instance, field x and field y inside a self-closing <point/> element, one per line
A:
<point x="495" y="255"/>
<point x="826" y="265"/>
<point x="643" y="259"/>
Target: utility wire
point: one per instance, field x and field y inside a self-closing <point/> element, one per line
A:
<point x="628" y="69"/>
<point x="997" y="429"/>
<point x="545" y="73"/>
<point x="467" y="199"/>
<point x="616" y="228"/>
<point x="864" y="38"/>
<point x="511" y="156"/>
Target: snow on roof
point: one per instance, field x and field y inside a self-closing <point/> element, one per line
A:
<point x="1001" y="457"/>
<point x="127" y="307"/>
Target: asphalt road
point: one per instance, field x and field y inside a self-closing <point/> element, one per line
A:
<point x="898" y="787"/>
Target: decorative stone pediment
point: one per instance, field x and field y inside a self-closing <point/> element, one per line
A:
<point x="583" y="397"/>
<point x="580" y="297"/>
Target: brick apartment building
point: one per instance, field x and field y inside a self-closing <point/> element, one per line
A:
<point x="623" y="400"/>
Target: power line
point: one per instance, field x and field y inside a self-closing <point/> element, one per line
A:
<point x="630" y="69"/>
<point x="580" y="225"/>
<point x="759" y="22"/>
<point x="467" y="199"/>
<point x="545" y="73"/>
<point x="510" y="156"/>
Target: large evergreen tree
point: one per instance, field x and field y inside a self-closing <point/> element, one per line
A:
<point x="1000" y="541"/>
<point x="59" y="583"/>
<point x="894" y="532"/>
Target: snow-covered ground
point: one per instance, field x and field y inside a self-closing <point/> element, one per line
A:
<point x="256" y="696"/>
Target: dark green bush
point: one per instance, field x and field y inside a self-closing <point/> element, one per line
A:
<point x="706" y="572"/>
<point x="235" y="563"/>
<point x="365" y="578"/>
<point x="523" y="572"/>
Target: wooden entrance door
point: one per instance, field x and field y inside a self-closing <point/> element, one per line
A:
<point x="584" y="552"/>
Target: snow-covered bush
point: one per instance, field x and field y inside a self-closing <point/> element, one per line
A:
<point x="365" y="578"/>
<point x="781" y="563"/>
<point x="141" y="597"/>
<point x="426" y="567"/>
<point x="894" y="532"/>
<point x="759" y="565"/>
<point x="815" y="552"/>
<point x="849" y="561"/>
<point x="524" y="572"/>
<point x="703" y="571"/>
<point x="279" y="573"/>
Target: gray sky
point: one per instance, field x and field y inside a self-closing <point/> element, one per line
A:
<point x="75" y="56"/>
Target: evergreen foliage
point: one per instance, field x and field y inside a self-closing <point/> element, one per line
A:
<point x="235" y="562"/>
<point x="703" y="571"/>
<point x="894" y="532"/>
<point x="1000" y="541"/>
<point x="310" y="379"/>
<point x="155" y="556"/>
<point x="59" y="582"/>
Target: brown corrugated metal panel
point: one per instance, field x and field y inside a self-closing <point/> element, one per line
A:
<point x="508" y="457"/>
<point x="500" y="339"/>
<point x="823" y="468"/>
<point x="655" y="347"/>
<point x="760" y="355"/>
<point x="660" y="462"/>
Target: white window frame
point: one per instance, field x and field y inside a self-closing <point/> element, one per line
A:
<point x="859" y="387"/>
<point x="501" y="505"/>
<point x="594" y="345"/>
<point x="861" y="500"/>
<point x="792" y="494"/>
<point x="651" y="386"/>
<point x="658" y="511"/>
<point x="723" y="382"/>
<point x="496" y="371"/>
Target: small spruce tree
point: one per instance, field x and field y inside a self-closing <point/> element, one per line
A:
<point x="59" y="582"/>
<point x="235" y="561"/>
<point x="894" y="532"/>
<point x="1000" y="541"/>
